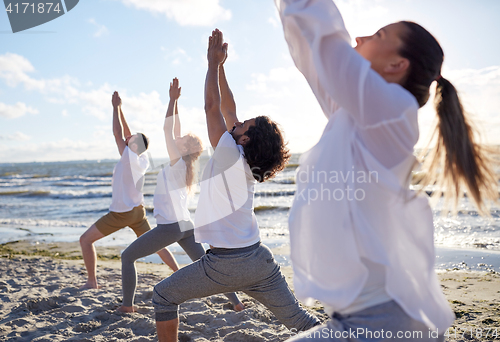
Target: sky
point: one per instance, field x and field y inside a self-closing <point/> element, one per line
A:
<point x="56" y="80"/>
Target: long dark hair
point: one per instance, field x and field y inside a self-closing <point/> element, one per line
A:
<point x="457" y="162"/>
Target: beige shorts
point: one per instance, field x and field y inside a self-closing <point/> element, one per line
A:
<point x="135" y="219"/>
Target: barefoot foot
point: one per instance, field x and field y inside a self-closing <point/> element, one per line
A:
<point x="89" y="285"/>
<point x="239" y="307"/>
<point x="127" y="309"/>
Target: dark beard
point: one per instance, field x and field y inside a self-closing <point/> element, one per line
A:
<point x="236" y="137"/>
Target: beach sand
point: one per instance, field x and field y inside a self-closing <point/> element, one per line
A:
<point x="40" y="301"/>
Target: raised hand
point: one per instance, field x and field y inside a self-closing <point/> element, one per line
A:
<point x="217" y="49"/>
<point x="116" y="101"/>
<point x="175" y="90"/>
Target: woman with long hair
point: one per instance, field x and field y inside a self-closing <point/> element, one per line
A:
<point x="361" y="241"/>
<point x="173" y="220"/>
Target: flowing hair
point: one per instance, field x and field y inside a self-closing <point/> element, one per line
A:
<point x="266" y="153"/>
<point x="457" y="162"/>
<point x="194" y="149"/>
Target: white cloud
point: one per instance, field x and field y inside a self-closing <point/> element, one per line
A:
<point x="14" y="69"/>
<point x="363" y="17"/>
<point x="67" y="90"/>
<point x="285" y="97"/>
<point x="232" y="54"/>
<point x="177" y="57"/>
<point x="144" y="112"/>
<point x="273" y="22"/>
<point x="15" y="111"/>
<point x="101" y="29"/>
<point x="64" y="149"/>
<point x="96" y="102"/>
<point x="185" y="12"/>
<point x="278" y="83"/>
<point x="150" y="122"/>
<point x="18" y="136"/>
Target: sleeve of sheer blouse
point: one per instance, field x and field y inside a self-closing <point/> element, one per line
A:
<point x="339" y="76"/>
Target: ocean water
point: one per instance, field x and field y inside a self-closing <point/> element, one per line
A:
<point x="59" y="201"/>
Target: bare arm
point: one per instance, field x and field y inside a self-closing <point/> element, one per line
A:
<point x="168" y="127"/>
<point x="117" y="124"/>
<point x="177" y="122"/>
<point x="215" y="121"/>
<point x="228" y="106"/>
<point x="126" y="129"/>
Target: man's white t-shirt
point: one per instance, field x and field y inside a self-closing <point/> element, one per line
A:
<point x="170" y="200"/>
<point x="224" y="217"/>
<point x="128" y="180"/>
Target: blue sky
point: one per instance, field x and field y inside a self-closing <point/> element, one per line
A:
<point x="56" y="79"/>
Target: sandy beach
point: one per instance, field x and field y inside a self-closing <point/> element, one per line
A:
<point x="40" y="301"/>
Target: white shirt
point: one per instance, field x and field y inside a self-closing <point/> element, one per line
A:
<point x="127" y="182"/>
<point x="363" y="161"/>
<point x="170" y="199"/>
<point x="224" y="217"/>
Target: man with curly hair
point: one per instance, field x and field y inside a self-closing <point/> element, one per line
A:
<point x="245" y="152"/>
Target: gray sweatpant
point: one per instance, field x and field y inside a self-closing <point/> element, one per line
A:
<point x="383" y="322"/>
<point x="250" y="269"/>
<point x="151" y="242"/>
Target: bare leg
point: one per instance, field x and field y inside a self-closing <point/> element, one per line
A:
<point x="122" y="308"/>
<point x="168" y="259"/>
<point x="89" y="255"/>
<point x="167" y="331"/>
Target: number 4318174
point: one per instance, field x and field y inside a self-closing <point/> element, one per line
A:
<point x="472" y="332"/>
<point x="41" y="8"/>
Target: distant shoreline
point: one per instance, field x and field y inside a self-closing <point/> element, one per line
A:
<point x="447" y="258"/>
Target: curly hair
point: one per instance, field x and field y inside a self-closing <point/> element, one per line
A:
<point x="266" y="152"/>
<point x="194" y="147"/>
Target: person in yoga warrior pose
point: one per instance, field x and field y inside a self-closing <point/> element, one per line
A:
<point x="170" y="204"/>
<point x="245" y="152"/>
<point x="370" y="260"/>
<point x="127" y="203"/>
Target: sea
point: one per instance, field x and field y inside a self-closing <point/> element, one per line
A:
<point x="58" y="201"/>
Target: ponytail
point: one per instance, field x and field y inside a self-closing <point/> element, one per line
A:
<point x="457" y="162"/>
<point x="189" y="172"/>
<point x="194" y="147"/>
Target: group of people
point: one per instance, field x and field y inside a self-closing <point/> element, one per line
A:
<point x="370" y="261"/>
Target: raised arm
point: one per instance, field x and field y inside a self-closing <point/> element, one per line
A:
<point x="177" y="121"/>
<point x="126" y="129"/>
<point x="228" y="106"/>
<point x="215" y="121"/>
<point x="168" y="127"/>
<point x="117" y="124"/>
<point x="339" y="76"/>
